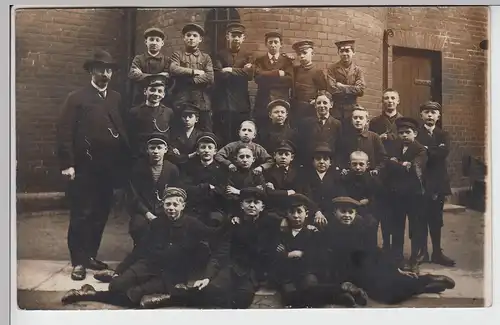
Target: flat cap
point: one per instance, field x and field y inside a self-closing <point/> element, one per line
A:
<point x="406" y="122"/>
<point x="156" y="137"/>
<point x="345" y="200"/>
<point x="190" y="108"/>
<point x="235" y="28"/>
<point x="174" y="191"/>
<point x="154" y="31"/>
<point x="273" y="34"/>
<point x="346" y="43"/>
<point x="430" y="105"/>
<point x="207" y="137"/>
<point x="192" y="27"/>
<point x="278" y="102"/>
<point x="301" y="45"/>
<point x="298" y="199"/>
<point x="252" y="192"/>
<point x="323" y="147"/>
<point x="155" y="80"/>
<point x="285" y="145"/>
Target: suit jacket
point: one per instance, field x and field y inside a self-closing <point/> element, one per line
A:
<point x="91" y="132"/>
<point x="311" y="132"/>
<point x="321" y="192"/>
<point x="231" y="89"/>
<point x="436" y="178"/>
<point x="398" y="178"/>
<point x="270" y="85"/>
<point x="361" y="187"/>
<point x="272" y="135"/>
<point x="353" y="78"/>
<point x="190" y="88"/>
<point x="145" y="192"/>
<point x="383" y="124"/>
<point x="145" y="63"/>
<point x="185" y="145"/>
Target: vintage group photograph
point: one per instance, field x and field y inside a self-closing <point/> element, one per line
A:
<point x="251" y="158"/>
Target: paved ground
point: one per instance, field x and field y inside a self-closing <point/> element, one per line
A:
<point x="43" y="269"/>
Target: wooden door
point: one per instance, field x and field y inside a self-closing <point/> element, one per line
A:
<point x="413" y="79"/>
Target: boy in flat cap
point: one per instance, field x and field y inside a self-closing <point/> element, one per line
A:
<point x="254" y="234"/>
<point x="355" y="136"/>
<point x="358" y="260"/>
<point x="204" y="180"/>
<point x="193" y="73"/>
<point x="151" y="62"/>
<point x="437" y="182"/>
<point x="151" y="116"/>
<point x="273" y="75"/>
<point x="160" y="265"/>
<point x="279" y="128"/>
<point x="94" y="154"/>
<point x="319" y="128"/>
<point x="184" y="136"/>
<point x="233" y="68"/>
<point x="307" y="81"/>
<point x="149" y="177"/>
<point x="346" y="81"/>
<point x="404" y="177"/>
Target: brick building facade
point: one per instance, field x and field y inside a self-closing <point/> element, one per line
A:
<point x="438" y="45"/>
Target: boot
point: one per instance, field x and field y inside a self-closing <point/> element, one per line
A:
<point x="84" y="293"/>
<point x="104" y="275"/>
<point x="437" y="283"/>
<point x="438" y="257"/>
<point x="79" y="273"/>
<point x="359" y="295"/>
<point x="153" y="301"/>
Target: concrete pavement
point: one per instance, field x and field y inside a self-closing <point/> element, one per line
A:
<point x="43" y="269"/>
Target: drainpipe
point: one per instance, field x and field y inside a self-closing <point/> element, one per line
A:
<point x="385" y="57"/>
<point x="130" y="24"/>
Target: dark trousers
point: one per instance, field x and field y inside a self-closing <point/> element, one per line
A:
<point x="138" y="228"/>
<point x="406" y="205"/>
<point x="382" y="211"/>
<point x="90" y="195"/>
<point x="432" y="220"/>
<point x="307" y="291"/>
<point x="227" y="124"/>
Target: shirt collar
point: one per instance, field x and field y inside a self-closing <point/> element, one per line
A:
<point x="320" y="174"/>
<point x="194" y="52"/>
<point x="205" y="164"/>
<point x="430" y="128"/>
<point x="97" y="87"/>
<point x="157" y="55"/>
<point x="148" y="103"/>
<point x="391" y="116"/>
<point x="323" y="119"/>
<point x="270" y="56"/>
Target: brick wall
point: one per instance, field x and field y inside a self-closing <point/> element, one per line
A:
<point x="51" y="46"/>
<point x="456" y="32"/>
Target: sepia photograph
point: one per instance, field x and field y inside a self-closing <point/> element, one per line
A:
<point x="251" y="158"/>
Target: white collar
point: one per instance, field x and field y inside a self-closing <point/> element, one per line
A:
<point x="154" y="55"/>
<point x="97" y="87"/>
<point x="270" y="56"/>
<point x="326" y="118"/>
<point x="392" y="115"/>
<point x="321" y="175"/>
<point x="205" y="164"/>
<point x="295" y="232"/>
<point x="189" y="132"/>
<point x="430" y="128"/>
<point x="148" y="103"/>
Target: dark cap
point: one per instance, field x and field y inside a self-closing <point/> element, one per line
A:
<point x="207" y="137"/>
<point x="430" y="105"/>
<point x="278" y="102"/>
<point x="301" y="45"/>
<point x="100" y="58"/>
<point x="174" y="191"/>
<point x="298" y="199"/>
<point x="285" y="145"/>
<point x="155" y="80"/>
<point x="153" y="31"/>
<point x="406" y="122"/>
<point x="323" y="147"/>
<point x="273" y="34"/>
<point x="357" y="107"/>
<point x="252" y="192"/>
<point x="345" y="200"/>
<point x="235" y="28"/>
<point x="193" y="28"/>
<point x="347" y="43"/>
<point x="190" y="108"/>
<point x="156" y="137"/>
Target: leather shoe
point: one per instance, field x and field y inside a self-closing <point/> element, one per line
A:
<point x="445" y="281"/>
<point x="73" y="295"/>
<point x="358" y="294"/>
<point x="441" y="259"/>
<point x="154" y="301"/>
<point x="104" y="275"/>
<point x="97" y="265"/>
<point x="345" y="299"/>
<point x="79" y="273"/>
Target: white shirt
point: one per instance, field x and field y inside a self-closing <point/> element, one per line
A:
<point x="98" y="88"/>
<point x="151" y="104"/>
<point x="391" y="115"/>
<point x="153" y="55"/>
<point x="189" y="132"/>
<point x="321" y="175"/>
<point x="404" y="149"/>
<point x="295" y="232"/>
<point x="273" y="57"/>
<point x="430" y="128"/>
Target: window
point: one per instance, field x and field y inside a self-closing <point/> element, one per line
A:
<point x="215" y="25"/>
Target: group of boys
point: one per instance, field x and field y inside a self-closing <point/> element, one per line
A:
<point x="295" y="201"/>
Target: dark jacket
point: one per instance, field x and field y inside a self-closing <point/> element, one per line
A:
<point x="231" y="89"/>
<point x="384" y="124"/>
<point x="353" y="77"/>
<point x="311" y="132"/>
<point x="436" y="178"/>
<point x="320" y="191"/>
<point x="272" y="135"/>
<point x="185" y="145"/>
<point x="148" y="64"/>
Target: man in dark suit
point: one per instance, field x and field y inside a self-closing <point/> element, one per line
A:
<point x="273" y="76"/>
<point x="149" y="177"/>
<point x="404" y="177"/>
<point x="233" y="69"/>
<point x="437" y="182"/>
<point x="94" y="152"/>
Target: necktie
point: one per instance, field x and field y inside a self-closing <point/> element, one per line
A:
<point x="102" y="93"/>
<point x="404" y="150"/>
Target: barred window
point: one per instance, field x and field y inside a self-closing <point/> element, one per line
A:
<point x="215" y="25"/>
